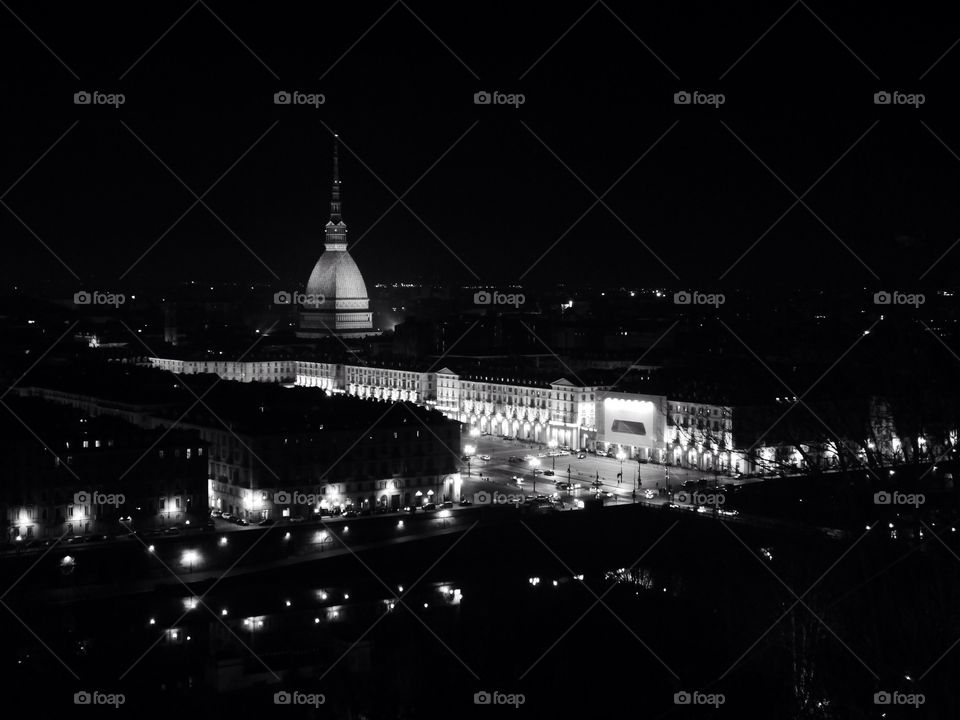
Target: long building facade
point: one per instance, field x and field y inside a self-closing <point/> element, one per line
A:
<point x="651" y="428"/>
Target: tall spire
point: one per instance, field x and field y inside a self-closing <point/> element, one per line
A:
<point x="335" y="232"/>
<point x="335" y="195"/>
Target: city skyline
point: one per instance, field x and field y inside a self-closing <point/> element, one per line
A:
<point x="398" y="360"/>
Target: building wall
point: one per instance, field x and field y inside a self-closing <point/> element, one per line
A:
<point x="49" y="493"/>
<point x="698" y="435"/>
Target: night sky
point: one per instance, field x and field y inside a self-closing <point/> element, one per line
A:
<point x="511" y="181"/>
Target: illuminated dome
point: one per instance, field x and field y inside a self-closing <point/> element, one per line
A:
<point x="336" y="277"/>
<point x="336" y="302"/>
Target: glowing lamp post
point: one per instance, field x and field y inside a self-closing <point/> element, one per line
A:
<point x="553" y="446"/>
<point x="535" y="464"/>
<point x="190" y="557"/>
<point x="469" y="450"/>
<point x="621" y="456"/>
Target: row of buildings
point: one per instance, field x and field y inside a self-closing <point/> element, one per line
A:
<point x="254" y="450"/>
<point x="66" y="473"/>
<point x="574" y="413"/>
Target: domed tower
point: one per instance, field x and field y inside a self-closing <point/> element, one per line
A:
<point x="337" y="302"/>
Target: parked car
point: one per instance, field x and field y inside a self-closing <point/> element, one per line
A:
<point x="226" y="516"/>
<point x="216" y="513"/>
<point x="563" y="486"/>
<point x="549" y="473"/>
<point x="430" y="507"/>
<point x="446" y="504"/>
<point x="299" y="518"/>
<point x="465" y="502"/>
<point x="241" y="521"/>
<point x="484" y="457"/>
<point x="581" y="455"/>
<point x="172" y="531"/>
<point x="267" y="521"/>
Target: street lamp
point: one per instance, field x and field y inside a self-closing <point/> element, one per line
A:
<point x="190" y="557"/>
<point x="535" y="464"/>
<point x="553" y="446"/>
<point x="469" y="450"/>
